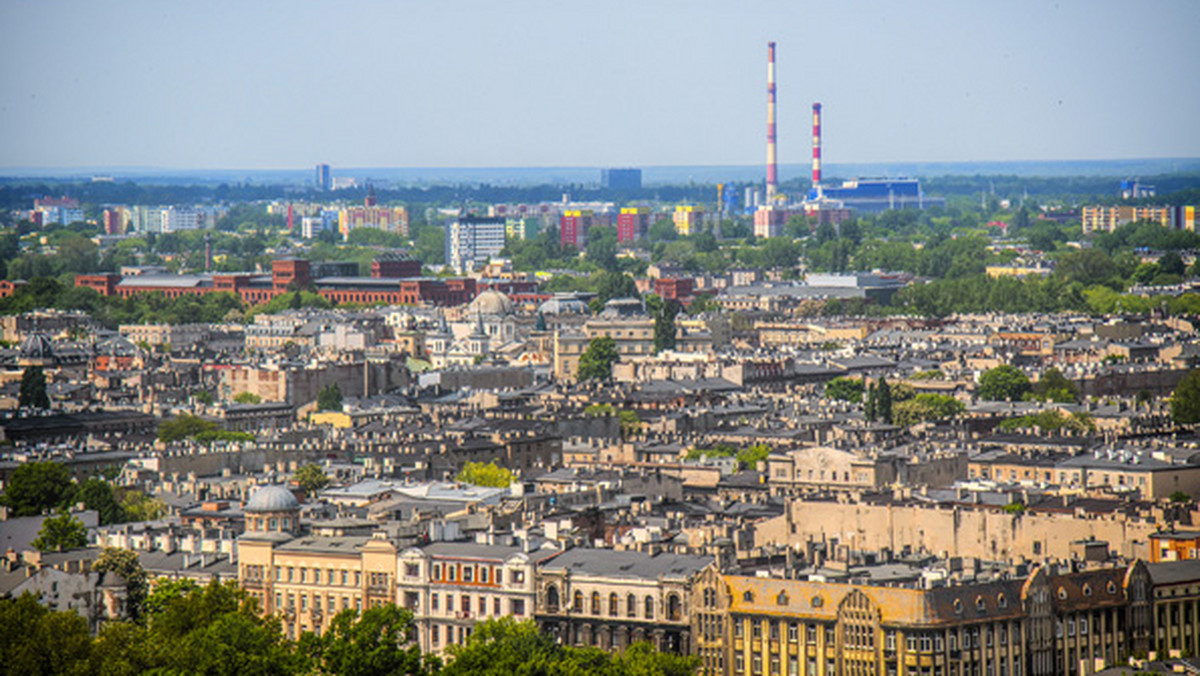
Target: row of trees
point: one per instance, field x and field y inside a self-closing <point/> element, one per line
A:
<point x="217" y="630"/>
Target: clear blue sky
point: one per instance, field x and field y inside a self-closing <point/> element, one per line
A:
<point x="439" y="83"/>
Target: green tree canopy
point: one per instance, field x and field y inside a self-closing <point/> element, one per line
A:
<point x="35" y="487"/>
<point x="597" y="360"/>
<point x="485" y="474"/>
<point x="1185" y="402"/>
<point x="664" y="324"/>
<point x="883" y="402"/>
<point x="378" y="642"/>
<point x="124" y="562"/>
<point x="1003" y="383"/>
<point x="32" y="392"/>
<point x="1054" y="386"/>
<point x="311" y="478"/>
<point x="503" y="647"/>
<point x="98" y="494"/>
<point x="247" y="398"/>
<point x="35" y="641"/>
<point x="845" y="389"/>
<point x="330" y="398"/>
<point x="59" y="532"/>
<point x="925" y="407"/>
<point x="183" y="427"/>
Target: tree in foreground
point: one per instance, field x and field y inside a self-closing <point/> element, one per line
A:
<point x="485" y="474"/>
<point x="1003" y="383"/>
<point x="378" y="642"/>
<point x="59" y="532"/>
<point x="503" y="647"/>
<point x="1185" y="402"/>
<point x="35" y="640"/>
<point x="596" y="361"/>
<point x="124" y="562"/>
<point x="664" y="325"/>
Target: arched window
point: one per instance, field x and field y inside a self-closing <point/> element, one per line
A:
<point x="613" y="610"/>
<point x="748" y="597"/>
<point x="552" y="599"/>
<point x="631" y="605"/>
<point x="577" y="605"/>
<point x="595" y="603"/>
<point x="649" y="612"/>
<point x="673" y="608"/>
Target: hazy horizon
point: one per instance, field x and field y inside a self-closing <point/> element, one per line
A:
<point x="274" y="85"/>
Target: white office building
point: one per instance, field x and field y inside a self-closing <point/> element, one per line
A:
<point x="472" y="240"/>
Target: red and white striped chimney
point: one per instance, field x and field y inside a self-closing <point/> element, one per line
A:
<point x="816" y="177"/>
<point x="772" y="158"/>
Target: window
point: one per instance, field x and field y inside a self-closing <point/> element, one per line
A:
<point x="782" y="599"/>
<point x="774" y="631"/>
<point x="649" y="614"/>
<point x="793" y="632"/>
<point x="291" y="573"/>
<point x="496" y="606"/>
<point x="595" y="603"/>
<point x="452" y="573"/>
<point x="468" y="573"/>
<point x="437" y="572"/>
<point x="631" y="605"/>
<point x="433" y="602"/>
<point x="1083" y="626"/>
<point x="613" y="604"/>
<point x="412" y="569"/>
<point x="516" y="607"/>
<point x="483" y="574"/>
<point x="577" y="604"/>
<point x="755" y="629"/>
<point x="739" y="629"/>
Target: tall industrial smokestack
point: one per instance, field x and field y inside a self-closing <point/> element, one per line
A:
<point x="816" y="179"/>
<point x="772" y="168"/>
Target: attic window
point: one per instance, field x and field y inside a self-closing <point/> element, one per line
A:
<point x="1002" y="601"/>
<point x="958" y="607"/>
<point x="817" y="602"/>
<point x="748" y="597"/>
<point x="1112" y="587"/>
<point x="1062" y="594"/>
<point x="782" y="599"/>
<point x="1087" y="590"/>
<point x="980" y="606"/>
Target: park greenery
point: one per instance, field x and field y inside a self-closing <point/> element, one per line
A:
<point x="330" y="398"/>
<point x="487" y="474"/>
<point x="37" y="488"/>
<point x="183" y="628"/>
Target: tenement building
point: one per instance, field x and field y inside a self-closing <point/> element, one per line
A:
<point x="449" y="586"/>
<point x="611" y="599"/>
<point x="1041" y="623"/>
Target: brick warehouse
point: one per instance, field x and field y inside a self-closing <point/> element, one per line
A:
<point x="388" y="284"/>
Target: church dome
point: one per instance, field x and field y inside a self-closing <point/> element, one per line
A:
<point x="272" y="498"/>
<point x="37" y="346"/>
<point x="492" y="302"/>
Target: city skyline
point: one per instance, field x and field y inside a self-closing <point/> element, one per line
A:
<point x="534" y="84"/>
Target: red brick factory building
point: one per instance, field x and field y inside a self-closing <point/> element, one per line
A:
<point x="394" y="282"/>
